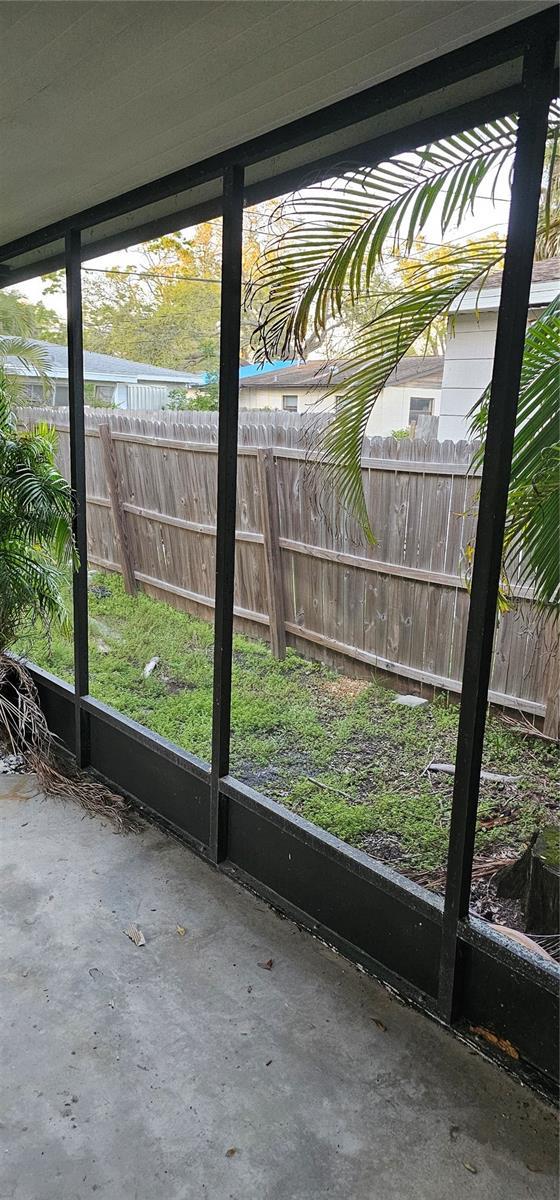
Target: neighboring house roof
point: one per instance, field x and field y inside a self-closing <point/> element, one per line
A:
<point x="427" y="370"/>
<point x="544" y="271"/>
<point x="104" y="367"/>
<point x="545" y="285"/>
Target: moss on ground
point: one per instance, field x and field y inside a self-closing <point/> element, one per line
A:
<point x="548" y="846"/>
<point x="339" y="752"/>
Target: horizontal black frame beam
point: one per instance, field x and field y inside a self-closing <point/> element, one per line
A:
<point x="379" y="919"/>
<point x="366" y="153"/>
<point x="370" y="152"/>
<point x="193" y="214"/>
<point x="375" y="917"/>
<point x="373" y="914"/>
<point x="478" y="56"/>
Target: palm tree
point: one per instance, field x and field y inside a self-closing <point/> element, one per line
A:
<point x="16" y="327"/>
<point x="325" y="266"/>
<point x="35" y="526"/>
<point x="35" y="546"/>
<point x="36" y="551"/>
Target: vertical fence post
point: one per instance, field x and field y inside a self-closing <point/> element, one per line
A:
<point x="78" y="484"/>
<point x="230" y="319"/>
<point x="551" y="725"/>
<point x="119" y="516"/>
<point x="538" y="85"/>
<point x="272" y="554"/>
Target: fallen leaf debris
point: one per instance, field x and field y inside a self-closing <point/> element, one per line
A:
<point x="135" y="934"/>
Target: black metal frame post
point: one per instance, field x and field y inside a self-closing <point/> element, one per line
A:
<point x="230" y="320"/>
<point x="376" y="917"/>
<point x="78" y="483"/>
<point x="538" y="87"/>
<point x="477" y="56"/>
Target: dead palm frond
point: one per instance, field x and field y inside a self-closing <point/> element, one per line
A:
<point x="25" y="728"/>
<point x="549" y="942"/>
<point x="36" y="551"/>
<point x="483" y="867"/>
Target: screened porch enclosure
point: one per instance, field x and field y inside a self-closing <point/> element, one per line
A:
<point x="430" y="950"/>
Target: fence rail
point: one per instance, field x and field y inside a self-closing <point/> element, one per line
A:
<point x="304" y="571"/>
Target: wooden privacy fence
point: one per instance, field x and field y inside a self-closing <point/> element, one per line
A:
<point x="305" y="572"/>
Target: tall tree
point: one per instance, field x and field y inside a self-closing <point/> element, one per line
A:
<point x="165" y="307"/>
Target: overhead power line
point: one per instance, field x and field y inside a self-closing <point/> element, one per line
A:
<point x="179" y="277"/>
<point x="151" y="275"/>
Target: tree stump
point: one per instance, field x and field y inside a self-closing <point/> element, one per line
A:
<point x="534" y="881"/>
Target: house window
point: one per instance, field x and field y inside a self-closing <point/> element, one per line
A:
<point x="62" y="395"/>
<point x="420" y="406"/>
<point x="35" y="393"/>
<point x="289" y="403"/>
<point x="105" y="392"/>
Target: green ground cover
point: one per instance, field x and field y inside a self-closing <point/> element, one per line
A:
<point x="339" y="751"/>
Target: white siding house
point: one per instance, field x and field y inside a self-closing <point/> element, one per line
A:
<point x="413" y="390"/>
<point x="119" y="381"/>
<point x="471" y="337"/>
<point x="444" y="387"/>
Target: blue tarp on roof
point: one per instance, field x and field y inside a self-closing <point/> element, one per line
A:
<point x="263" y="368"/>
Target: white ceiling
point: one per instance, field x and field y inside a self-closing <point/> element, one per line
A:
<point x="96" y="98"/>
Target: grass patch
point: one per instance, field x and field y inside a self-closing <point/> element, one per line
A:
<point x="341" y="754"/>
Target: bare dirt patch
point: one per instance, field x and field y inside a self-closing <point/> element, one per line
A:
<point x="343" y="688"/>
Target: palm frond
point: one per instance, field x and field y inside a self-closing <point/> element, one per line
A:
<point x="18" y="353"/>
<point x="531" y="541"/>
<point x="32" y="588"/>
<point x="28" y="353"/>
<point x="15" y="316"/>
<point x="338" y="233"/>
<point x="378" y="348"/>
<point x="36" y="509"/>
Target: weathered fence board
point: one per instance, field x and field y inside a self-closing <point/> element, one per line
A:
<point x="305" y="571"/>
<point x="117" y="507"/>
<point x="272" y="552"/>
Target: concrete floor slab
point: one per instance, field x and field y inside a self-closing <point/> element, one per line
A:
<point x="183" y="1069"/>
